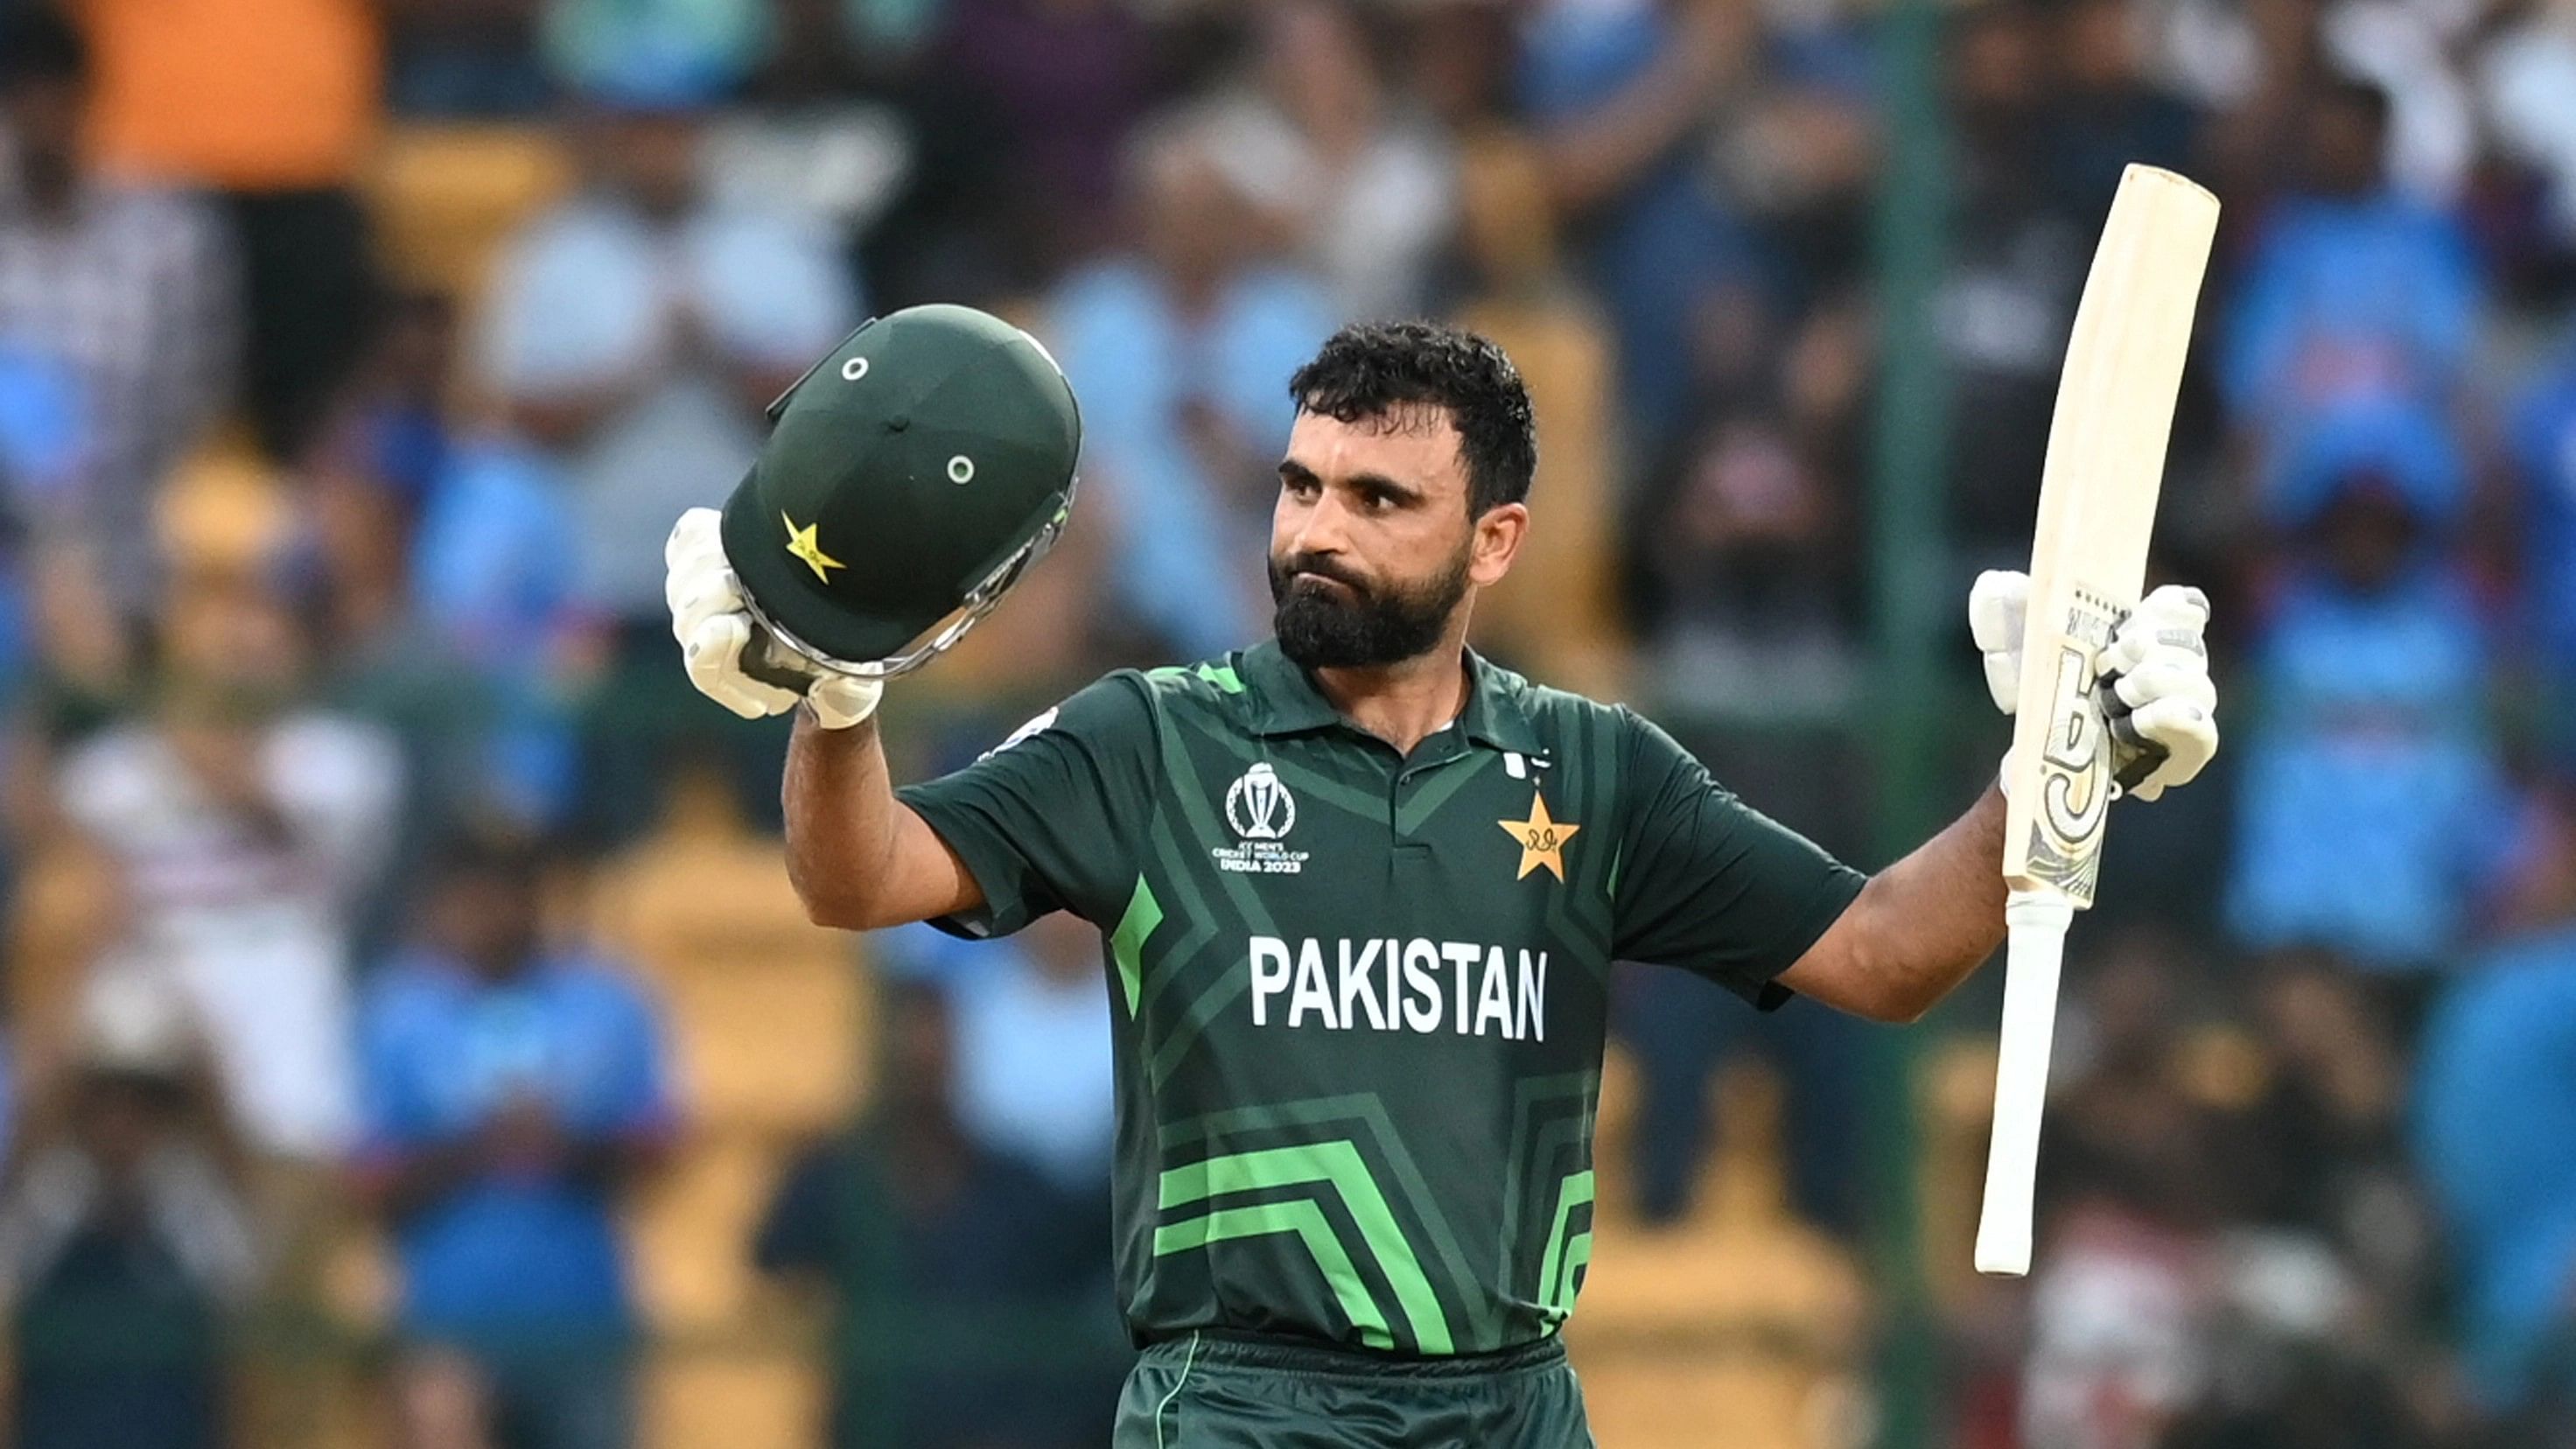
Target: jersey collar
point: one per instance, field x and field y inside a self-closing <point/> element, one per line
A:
<point x="1286" y="702"/>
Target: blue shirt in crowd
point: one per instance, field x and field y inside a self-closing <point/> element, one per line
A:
<point x="2544" y="442"/>
<point x="1178" y="533"/>
<point x="442" y="1051"/>
<point x="2496" y="1133"/>
<point x="2379" y="295"/>
<point x="2371" y="783"/>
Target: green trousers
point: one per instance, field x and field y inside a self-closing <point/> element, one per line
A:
<point x="1208" y="1391"/>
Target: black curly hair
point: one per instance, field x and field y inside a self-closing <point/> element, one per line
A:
<point x="1369" y="369"/>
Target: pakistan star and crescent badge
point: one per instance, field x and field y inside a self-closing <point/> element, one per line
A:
<point x="1542" y="840"/>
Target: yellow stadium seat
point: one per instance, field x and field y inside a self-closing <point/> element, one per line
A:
<point x="751" y="1400"/>
<point x="768" y="1013"/>
<point x="447" y="196"/>
<point x="692" y="1231"/>
<point x="766" y="1045"/>
<point x="1735" y="1327"/>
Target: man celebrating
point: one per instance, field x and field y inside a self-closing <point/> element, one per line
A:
<point x="1361" y="890"/>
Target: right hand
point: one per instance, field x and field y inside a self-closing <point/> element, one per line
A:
<point x="714" y="626"/>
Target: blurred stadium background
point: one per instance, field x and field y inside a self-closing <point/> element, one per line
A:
<point x="411" y="1038"/>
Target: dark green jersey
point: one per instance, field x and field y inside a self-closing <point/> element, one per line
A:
<point x="1361" y="997"/>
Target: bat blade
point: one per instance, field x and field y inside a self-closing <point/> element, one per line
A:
<point x="2097" y="509"/>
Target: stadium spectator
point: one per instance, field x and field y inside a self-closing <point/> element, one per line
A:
<point x="2370" y="776"/>
<point x="476" y="60"/>
<point x="245" y="826"/>
<point x="272" y="105"/>
<point x="970" y="1295"/>
<point x="1034" y="1075"/>
<point x="1179" y="351"/>
<point x="2109" y="112"/>
<point x="2126" y="1287"/>
<point x="2495" y="1134"/>
<point x="2543" y="443"/>
<point x="127" y="1241"/>
<point x="1020" y="111"/>
<point x="515" y="1088"/>
<point x="1617" y="94"/>
<point x="2353" y="289"/>
<point x="127" y="288"/>
<point x="636" y="331"/>
<point x="1360" y="182"/>
<point x="2015" y="268"/>
<point x="703" y="48"/>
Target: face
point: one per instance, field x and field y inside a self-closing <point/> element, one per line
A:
<point x="1372" y="548"/>
<point x="2345" y="144"/>
<point x="489" y="919"/>
<point x="652" y="157"/>
<point x="2369" y="535"/>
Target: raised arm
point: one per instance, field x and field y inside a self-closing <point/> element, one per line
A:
<point x="1923" y="924"/>
<point x="860" y="858"/>
<point x="1918" y="928"/>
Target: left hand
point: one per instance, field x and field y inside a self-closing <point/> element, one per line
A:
<point x="2153" y="683"/>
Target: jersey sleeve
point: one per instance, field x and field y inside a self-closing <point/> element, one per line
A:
<point x="1710" y="884"/>
<point x="1049" y="819"/>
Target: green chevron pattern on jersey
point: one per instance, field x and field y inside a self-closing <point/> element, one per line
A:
<point x="1359" y="1027"/>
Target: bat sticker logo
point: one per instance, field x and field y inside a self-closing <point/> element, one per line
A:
<point x="2077" y="792"/>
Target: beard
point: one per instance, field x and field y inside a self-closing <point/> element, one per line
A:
<point x="1359" y="625"/>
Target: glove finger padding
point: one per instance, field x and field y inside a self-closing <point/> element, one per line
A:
<point x="2187" y="731"/>
<point x="2165" y="678"/>
<point x="2172" y="618"/>
<point x="713" y="652"/>
<point x="1997" y="606"/>
<point x="841" y="700"/>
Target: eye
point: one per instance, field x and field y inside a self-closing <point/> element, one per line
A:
<point x="1299" y="487"/>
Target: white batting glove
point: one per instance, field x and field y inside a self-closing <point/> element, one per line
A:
<point x="1997" y="606"/>
<point x="2154" y="687"/>
<point x="2158" y="689"/>
<point x="714" y="627"/>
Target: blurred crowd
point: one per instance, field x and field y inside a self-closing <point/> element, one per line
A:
<point x="331" y="641"/>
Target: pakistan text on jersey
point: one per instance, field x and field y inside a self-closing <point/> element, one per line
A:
<point x="1387" y="984"/>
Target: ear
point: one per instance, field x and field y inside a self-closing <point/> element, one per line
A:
<point x="1496" y="543"/>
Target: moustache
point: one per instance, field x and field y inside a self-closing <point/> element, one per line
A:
<point x="1321" y="568"/>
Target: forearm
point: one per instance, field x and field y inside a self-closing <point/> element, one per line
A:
<point x="841" y="819"/>
<point x="1920" y="927"/>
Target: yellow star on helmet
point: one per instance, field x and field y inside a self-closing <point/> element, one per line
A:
<point x="800" y="542"/>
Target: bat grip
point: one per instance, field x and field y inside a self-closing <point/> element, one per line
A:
<point x="2037" y="920"/>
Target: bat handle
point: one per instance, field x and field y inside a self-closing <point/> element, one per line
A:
<point x="2038" y="920"/>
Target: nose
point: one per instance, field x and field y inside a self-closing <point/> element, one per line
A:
<point x="1320" y="527"/>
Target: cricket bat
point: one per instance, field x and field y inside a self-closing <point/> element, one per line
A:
<point x="2088" y="561"/>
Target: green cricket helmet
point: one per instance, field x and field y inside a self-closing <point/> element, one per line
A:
<point x="909" y="479"/>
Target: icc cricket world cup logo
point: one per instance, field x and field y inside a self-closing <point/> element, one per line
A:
<point x="1259" y="806"/>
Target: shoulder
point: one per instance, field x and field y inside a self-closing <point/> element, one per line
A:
<point x="1207" y="684"/>
<point x="1570" y="723"/>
